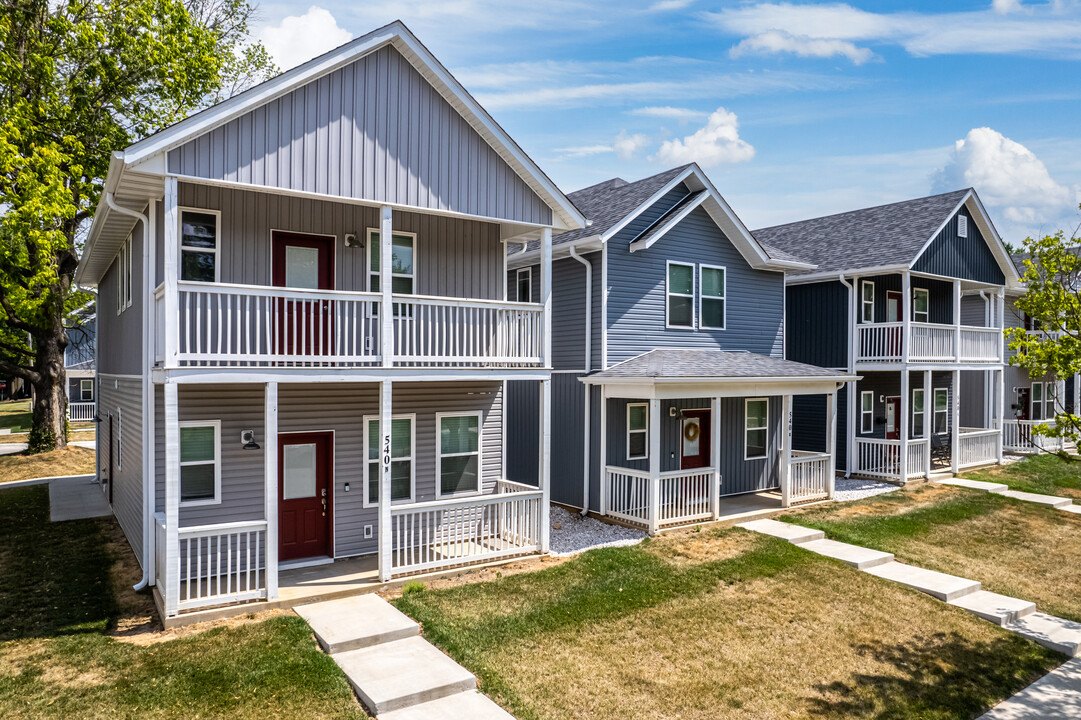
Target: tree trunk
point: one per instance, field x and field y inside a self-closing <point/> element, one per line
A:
<point x="50" y="404"/>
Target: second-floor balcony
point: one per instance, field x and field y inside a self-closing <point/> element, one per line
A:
<point x="229" y="325"/>
<point x="928" y="343"/>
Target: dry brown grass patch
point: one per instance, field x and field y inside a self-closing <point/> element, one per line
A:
<point x="686" y="547"/>
<point x="71" y="460"/>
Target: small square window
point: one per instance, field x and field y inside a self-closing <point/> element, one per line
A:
<point x="199" y="245"/>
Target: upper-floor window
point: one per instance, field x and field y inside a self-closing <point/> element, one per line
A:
<point x="402" y="262"/>
<point x="921" y="305"/>
<point x="962" y="226"/>
<point x="86" y="390"/>
<point x="711" y="309"/>
<point x="680" y="292"/>
<point x="867" y="301"/>
<point x="199" y="243"/>
<point x="523" y="284"/>
<point x="123" y="277"/>
<point x="402" y="440"/>
<point x="637" y="431"/>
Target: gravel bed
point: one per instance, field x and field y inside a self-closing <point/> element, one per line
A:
<point x="853" y="489"/>
<point x="576" y="534"/>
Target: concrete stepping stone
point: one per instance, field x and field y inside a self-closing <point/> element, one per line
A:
<point x="858" y="557"/>
<point x="999" y="609"/>
<point x="1076" y="509"/>
<point x="1063" y="636"/>
<point x="1055" y="696"/>
<point x="938" y="585"/>
<point x="786" y="531"/>
<point x="403" y="673"/>
<point x="471" y="704"/>
<point x="356" y="622"/>
<point x="975" y="485"/>
<point x="1052" y="500"/>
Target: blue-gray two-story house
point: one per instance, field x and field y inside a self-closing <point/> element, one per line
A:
<point x="670" y="389"/>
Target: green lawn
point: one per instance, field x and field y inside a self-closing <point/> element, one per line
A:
<point x="57" y="658"/>
<point x="15" y="414"/>
<point x="1046" y="474"/>
<point x="721" y="624"/>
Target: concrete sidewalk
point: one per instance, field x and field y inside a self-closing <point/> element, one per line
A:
<point x="76" y="498"/>
<point x="1055" y="696"/>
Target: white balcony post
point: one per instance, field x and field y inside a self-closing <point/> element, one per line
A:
<point x="654" y="464"/>
<point x="270" y="491"/>
<point x="1000" y="408"/>
<point x="385" y="530"/>
<point x="171" y="592"/>
<point x="928" y="420"/>
<point x="546" y="293"/>
<point x="715" y="450"/>
<point x="386" y="286"/>
<point x="957" y="320"/>
<point x="171" y="261"/>
<point x="831" y="441"/>
<point x="850" y="393"/>
<point x="1001" y="324"/>
<point x="904" y="410"/>
<point x="785" y="465"/>
<point x="906" y="316"/>
<point x="955" y="418"/>
<point x="545" y="461"/>
<point x="602" y="451"/>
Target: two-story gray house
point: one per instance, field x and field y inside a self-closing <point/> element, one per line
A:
<point x="911" y="297"/>
<point x="307" y="356"/>
<point x="79" y="366"/>
<point x="670" y="388"/>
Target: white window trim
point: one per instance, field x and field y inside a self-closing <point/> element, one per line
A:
<point x="412" y="418"/>
<point x="921" y="413"/>
<point x="747" y="428"/>
<point x="864" y="302"/>
<point x="123" y="277"/>
<point x="668" y="293"/>
<point x="1046" y="403"/>
<point x="645" y="431"/>
<point x="370" y="240"/>
<point x="935" y="411"/>
<point x="702" y="298"/>
<point x="180" y="241"/>
<point x="119" y="440"/>
<point x="83" y="389"/>
<point x="926" y="313"/>
<point x="962" y="226"/>
<point x="216" y="500"/>
<point x="864" y="430"/>
<point x="439" y="454"/>
<point x="518" y="279"/>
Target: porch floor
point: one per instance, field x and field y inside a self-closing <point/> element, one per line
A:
<point x="349" y="576"/>
<point x="741" y="508"/>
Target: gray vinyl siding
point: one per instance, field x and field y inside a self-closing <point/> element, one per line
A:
<point x="124" y="395"/>
<point x="817" y="324"/>
<point x="973" y="402"/>
<point x="973" y="311"/>
<point x="453" y="257"/>
<point x="120" y="336"/>
<point x="80" y="349"/>
<point x="810" y="424"/>
<point x="636" y="291"/>
<point x="568" y="311"/>
<point x="374" y="130"/>
<point x="523" y="430"/>
<point x="597" y="328"/>
<point x="340" y="408"/>
<point x="967" y="258"/>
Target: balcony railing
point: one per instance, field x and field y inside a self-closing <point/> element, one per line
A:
<point x="226" y="325"/>
<point x="929" y="342"/>
<point x="1018" y="437"/>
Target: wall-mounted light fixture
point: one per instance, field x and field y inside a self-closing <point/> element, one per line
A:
<point x="247" y="437"/>
<point x="352" y="240"/>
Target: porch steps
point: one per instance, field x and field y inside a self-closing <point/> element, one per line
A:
<point x="1051" y="500"/>
<point x="995" y="608"/>
<point x="975" y="485"/>
<point x="938" y="585"/>
<point x="334" y="623"/>
<point x="858" y="557"/>
<point x="1061" y="635"/>
<point x="785" y="531"/>
<point x="453" y="707"/>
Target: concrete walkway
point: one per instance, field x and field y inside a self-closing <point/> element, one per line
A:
<point x="1055" y="696"/>
<point x="397" y="674"/>
<point x="1059" y="503"/>
<point x="76" y="498"/>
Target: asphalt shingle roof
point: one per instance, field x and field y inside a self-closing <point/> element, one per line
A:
<point x="872" y="237"/>
<point x="674" y="363"/>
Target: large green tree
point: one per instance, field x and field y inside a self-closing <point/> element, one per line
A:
<point x="78" y="80"/>
<point x="1052" y="276"/>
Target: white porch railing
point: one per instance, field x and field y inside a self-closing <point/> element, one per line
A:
<point x="1018" y="437"/>
<point x="81" y="411"/>
<point x="977" y="447"/>
<point x="447" y="533"/>
<point x="626" y="494"/>
<point x="685" y="496"/>
<point x="930" y="342"/>
<point x="918" y="449"/>
<point x="878" y="458"/>
<point x="808" y="477"/>
<point x="219" y="564"/>
<point x="879" y="342"/>
<point x="981" y="344"/>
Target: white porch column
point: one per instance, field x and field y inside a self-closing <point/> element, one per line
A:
<point x="386" y="289"/>
<point x="602" y="451"/>
<point x="654" y="464"/>
<point x="171" y="261"/>
<point x="905" y="401"/>
<point x="928" y="420"/>
<point x="850" y="395"/>
<point x="1000" y="408"/>
<point x="171" y="592"/>
<point x="545" y="461"/>
<point x="715" y="450"/>
<point x="957" y="320"/>
<point x="270" y="491"/>
<point x="546" y="292"/>
<point x="831" y="440"/>
<point x="955" y="417"/>
<point x="1077" y="394"/>
<point x="1001" y="324"/>
<point x="784" y="466"/>
<point x="906" y="318"/>
<point x="386" y="537"/>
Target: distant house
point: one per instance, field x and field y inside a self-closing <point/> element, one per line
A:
<point x="911" y="297"/>
<point x="671" y="392"/>
<point x="79" y="357"/>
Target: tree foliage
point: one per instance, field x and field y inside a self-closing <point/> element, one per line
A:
<point x="79" y="80"/>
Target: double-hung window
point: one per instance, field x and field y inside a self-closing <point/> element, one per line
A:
<point x="200" y="462"/>
<point x="458" y="463"/>
<point x="402" y="265"/>
<point x="867" y="412"/>
<point x="1043" y="401"/>
<point x="711" y="310"/>
<point x="918" y="412"/>
<point x="756" y="428"/>
<point x="86" y="390"/>
<point x="402" y="442"/>
<point x="921" y="305"/>
<point x="942" y="410"/>
<point x="867" y="301"/>
<point x="123" y="277"/>
<point x="199" y="242"/>
<point x="680" y="295"/>
<point x="523" y="284"/>
<point x="637" y="431"/>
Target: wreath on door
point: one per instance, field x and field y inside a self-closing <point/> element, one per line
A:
<point x="691" y="431"/>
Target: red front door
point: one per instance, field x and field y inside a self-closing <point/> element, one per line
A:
<point x="305" y="469"/>
<point x="893" y="418"/>
<point x="694" y="439"/>
<point x="304" y="262"/>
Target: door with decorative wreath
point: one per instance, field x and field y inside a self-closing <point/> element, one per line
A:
<point x="694" y="440"/>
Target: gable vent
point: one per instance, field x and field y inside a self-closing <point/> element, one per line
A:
<point x="962" y="226"/>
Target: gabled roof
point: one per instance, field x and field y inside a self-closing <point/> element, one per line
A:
<point x="681" y="364"/>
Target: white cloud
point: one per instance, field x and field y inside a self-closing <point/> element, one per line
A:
<point x="1005" y="6"/>
<point x="299" y="38"/>
<point x="664" y="5"/>
<point x="627" y="146"/>
<point x="776" y="41"/>
<point x="716" y="143"/>
<point x="584" y="150"/>
<point x="669" y="113"/>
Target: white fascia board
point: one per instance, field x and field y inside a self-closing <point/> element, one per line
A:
<point x="211" y="375"/>
<point x="835" y="274"/>
<point x="614" y="230"/>
<point x="590" y="244"/>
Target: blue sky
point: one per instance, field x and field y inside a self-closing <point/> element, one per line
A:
<point x="794" y="109"/>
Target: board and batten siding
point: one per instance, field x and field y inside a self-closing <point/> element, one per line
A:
<point x="120" y="400"/>
<point x="339" y="408"/>
<point x="120" y="336"/>
<point x="373" y="130"/>
<point x="817" y="324"/>
<point x="967" y="258"/>
<point x="453" y="257"/>
<point x="568" y="310"/>
<point x="637" y="283"/>
<point x="568" y="435"/>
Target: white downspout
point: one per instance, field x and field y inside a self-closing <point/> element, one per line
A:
<point x="854" y="307"/>
<point x="588" y="367"/>
<point x="148" y="528"/>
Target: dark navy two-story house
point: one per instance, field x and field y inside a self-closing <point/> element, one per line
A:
<point x="910" y="297"/>
<point x="670" y="390"/>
